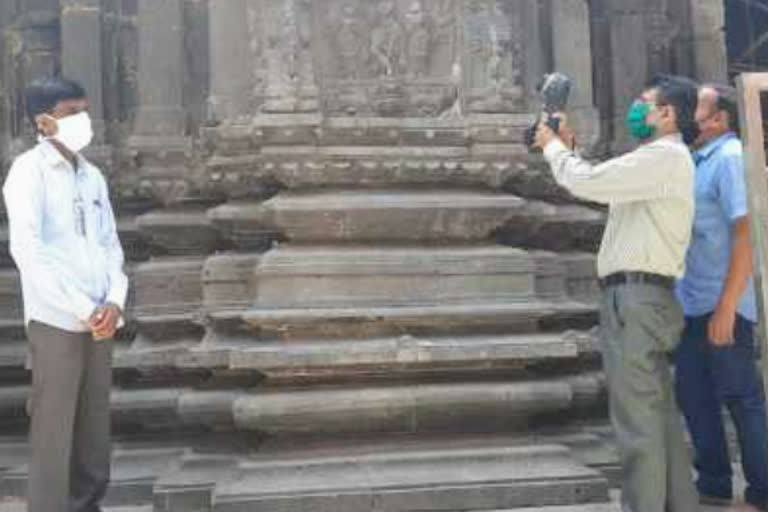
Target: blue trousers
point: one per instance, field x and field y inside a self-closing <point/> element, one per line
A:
<point x="708" y="378"/>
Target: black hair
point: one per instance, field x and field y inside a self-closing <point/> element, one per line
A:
<point x="727" y="100"/>
<point x="43" y="94"/>
<point x="683" y="95"/>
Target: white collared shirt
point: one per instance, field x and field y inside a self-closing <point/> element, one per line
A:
<point x="650" y="195"/>
<point x="63" y="238"/>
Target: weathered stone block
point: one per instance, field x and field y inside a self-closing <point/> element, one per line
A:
<point x="227" y="280"/>
<point x="479" y="478"/>
<point x="401" y="408"/>
<point x="354" y="322"/>
<point x="325" y="276"/>
<point x="555" y="228"/>
<point x="168" y="286"/>
<point x="179" y="231"/>
<point x="390" y="356"/>
<point x="355" y="216"/>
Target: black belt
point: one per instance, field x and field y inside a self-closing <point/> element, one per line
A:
<point x="638" y="278"/>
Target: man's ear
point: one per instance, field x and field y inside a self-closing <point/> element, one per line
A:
<point x="46" y="124"/>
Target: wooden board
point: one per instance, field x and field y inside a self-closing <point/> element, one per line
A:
<point x="750" y="85"/>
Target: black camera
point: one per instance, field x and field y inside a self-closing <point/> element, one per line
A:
<point x="554" y="90"/>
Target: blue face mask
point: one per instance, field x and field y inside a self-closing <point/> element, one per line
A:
<point x="637" y="125"/>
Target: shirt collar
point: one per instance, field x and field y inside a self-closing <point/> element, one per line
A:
<point x="709" y="148"/>
<point x="55" y="159"/>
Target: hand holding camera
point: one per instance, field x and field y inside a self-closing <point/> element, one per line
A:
<point x="554" y="90"/>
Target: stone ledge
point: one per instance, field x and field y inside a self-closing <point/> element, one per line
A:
<point x="412" y="408"/>
<point x="416" y="480"/>
<point x="415" y="408"/>
<point x="407" y="216"/>
<point x="395" y="355"/>
<point x="355" y="322"/>
<point x="391" y="216"/>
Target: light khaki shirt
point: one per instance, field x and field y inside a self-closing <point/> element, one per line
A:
<point x="651" y="203"/>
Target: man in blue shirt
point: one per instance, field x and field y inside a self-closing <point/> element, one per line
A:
<point x="716" y="358"/>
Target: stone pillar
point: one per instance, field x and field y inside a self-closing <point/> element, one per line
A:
<point x="80" y="23"/>
<point x="230" y="70"/>
<point x="708" y="40"/>
<point x="571" y="53"/>
<point x="159" y="143"/>
<point x="6" y="16"/>
<point x="629" y="65"/>
<point x="39" y="25"/>
<point x="161" y="72"/>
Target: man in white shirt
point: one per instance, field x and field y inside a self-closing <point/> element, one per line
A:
<point x="64" y="241"/>
<point x="649" y="192"/>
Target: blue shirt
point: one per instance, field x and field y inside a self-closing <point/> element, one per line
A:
<point x="721" y="199"/>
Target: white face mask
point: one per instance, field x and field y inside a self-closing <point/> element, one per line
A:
<point x="75" y="131"/>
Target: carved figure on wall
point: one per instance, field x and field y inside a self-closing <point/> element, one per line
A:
<point x="351" y="42"/>
<point x="308" y="91"/>
<point x="387" y="39"/>
<point x="492" y="48"/>
<point x="418" y="40"/>
<point x="290" y="80"/>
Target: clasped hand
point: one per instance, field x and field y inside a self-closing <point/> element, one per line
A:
<point x="103" y="321"/>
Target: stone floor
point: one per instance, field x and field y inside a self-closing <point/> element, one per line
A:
<point x="16" y="506"/>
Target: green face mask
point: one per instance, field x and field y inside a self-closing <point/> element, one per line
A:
<point x="636" y="123"/>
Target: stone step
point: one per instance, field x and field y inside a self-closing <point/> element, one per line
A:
<point x="20" y="506"/>
<point x="178" y="231"/>
<point x="587" y="507"/>
<point x="191" y="486"/>
<point x="184" y="473"/>
<point x="354" y="322"/>
<point x="396" y="355"/>
<point x="438" y="479"/>
<point x="133" y="475"/>
<point x="400" y="216"/>
<point x="459" y="407"/>
<point x="234" y="280"/>
<point x="289" y="277"/>
<point x="344" y="408"/>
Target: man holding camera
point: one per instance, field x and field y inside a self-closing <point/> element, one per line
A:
<point x="649" y="192"/>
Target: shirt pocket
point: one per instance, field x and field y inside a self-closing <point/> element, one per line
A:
<point x="59" y="205"/>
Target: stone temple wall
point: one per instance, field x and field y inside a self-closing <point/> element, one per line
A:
<point x="333" y="226"/>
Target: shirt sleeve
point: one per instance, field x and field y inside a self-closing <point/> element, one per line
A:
<point x="24" y="195"/>
<point x="731" y="186"/>
<point x="636" y="176"/>
<point x="118" y="281"/>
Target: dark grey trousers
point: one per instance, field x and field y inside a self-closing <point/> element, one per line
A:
<point x="69" y="409"/>
<point x="640" y="325"/>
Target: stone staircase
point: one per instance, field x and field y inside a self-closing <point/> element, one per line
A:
<point x="222" y="472"/>
<point x="400" y="323"/>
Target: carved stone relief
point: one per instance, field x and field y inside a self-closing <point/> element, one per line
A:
<point x="493" y="56"/>
<point x="286" y="43"/>
<point x="381" y="57"/>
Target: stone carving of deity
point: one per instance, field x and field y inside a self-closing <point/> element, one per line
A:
<point x="492" y="70"/>
<point x="351" y="41"/>
<point x="387" y="39"/>
<point x="418" y="40"/>
<point x="289" y="60"/>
